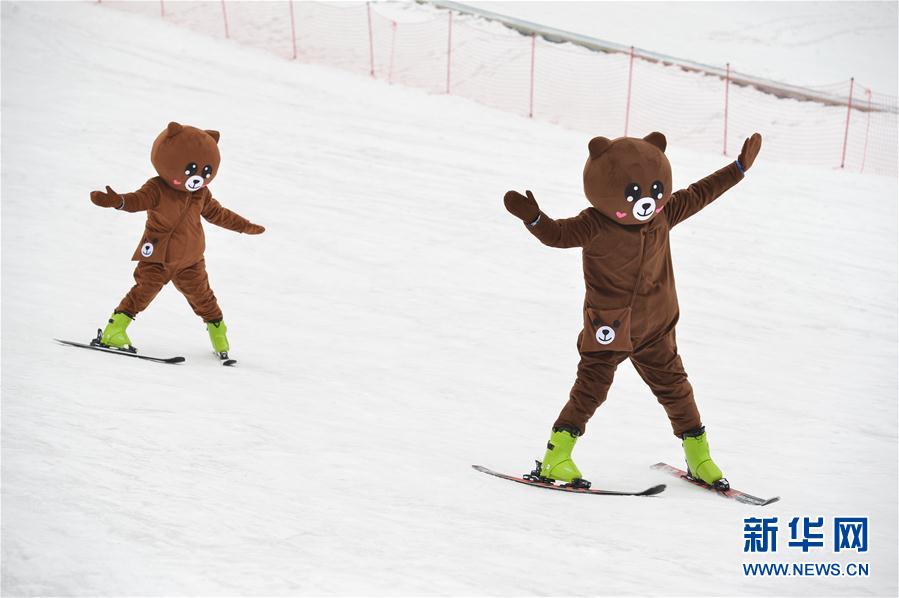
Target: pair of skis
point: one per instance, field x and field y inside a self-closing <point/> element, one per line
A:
<point x="532" y="479"/>
<point x="731" y="493"/>
<point x="96" y="345"/>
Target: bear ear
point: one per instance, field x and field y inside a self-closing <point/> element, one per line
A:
<point x="598" y="145"/>
<point x="173" y="129"/>
<point x="214" y="134"/>
<point x="657" y="139"/>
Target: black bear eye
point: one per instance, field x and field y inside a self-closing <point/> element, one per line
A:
<point x="658" y="189"/>
<point x="632" y="191"/>
<point x="190" y="169"/>
<point x="616" y="324"/>
<point x="207" y="171"/>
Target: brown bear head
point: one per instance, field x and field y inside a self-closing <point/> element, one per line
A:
<point x="628" y="179"/>
<point x="187" y="158"/>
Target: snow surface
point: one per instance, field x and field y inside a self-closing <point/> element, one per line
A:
<point x="801" y="43"/>
<point x="395" y="325"/>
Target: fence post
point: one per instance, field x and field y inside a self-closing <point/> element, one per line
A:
<point x="533" y="57"/>
<point x="162" y="8"/>
<point x="449" y="50"/>
<point x="392" y="52"/>
<point x="867" y="128"/>
<point x="225" y="19"/>
<point x="371" y="44"/>
<point x="848" y="114"/>
<point x="726" y="104"/>
<point x="293" y="30"/>
<point x="630" y="76"/>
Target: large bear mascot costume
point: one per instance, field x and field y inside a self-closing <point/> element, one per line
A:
<point x="630" y="308"/>
<point x="173" y="243"/>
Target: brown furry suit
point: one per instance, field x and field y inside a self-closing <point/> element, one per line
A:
<point x="172" y="246"/>
<point x="630" y="308"/>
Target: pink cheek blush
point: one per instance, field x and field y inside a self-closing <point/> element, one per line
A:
<point x="621" y="214"/>
<point x="659" y="210"/>
<point x="176" y="181"/>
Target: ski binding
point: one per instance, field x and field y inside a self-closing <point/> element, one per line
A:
<point x="721" y="488"/>
<point x="223" y="357"/>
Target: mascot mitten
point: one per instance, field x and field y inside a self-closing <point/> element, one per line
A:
<point x="172" y="246"/>
<point x="630" y="309"/>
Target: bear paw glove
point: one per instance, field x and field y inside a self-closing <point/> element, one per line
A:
<point x="254" y="229"/>
<point x="750" y="150"/>
<point x="523" y="207"/>
<point x="108" y="198"/>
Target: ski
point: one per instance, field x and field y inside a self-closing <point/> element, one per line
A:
<point x="123" y="352"/>
<point x="580" y="490"/>
<point x="727" y="492"/>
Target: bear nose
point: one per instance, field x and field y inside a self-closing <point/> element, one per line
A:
<point x="646" y="206"/>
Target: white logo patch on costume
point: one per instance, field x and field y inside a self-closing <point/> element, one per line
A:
<point x="146" y="249"/>
<point x="605" y="335"/>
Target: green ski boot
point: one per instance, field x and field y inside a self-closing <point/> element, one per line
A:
<point x="557" y="464"/>
<point x="217" y="330"/>
<point x="699" y="463"/>
<point x="114" y="334"/>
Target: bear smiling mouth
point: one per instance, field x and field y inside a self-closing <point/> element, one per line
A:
<point x="644" y="208"/>
<point x="194" y="183"/>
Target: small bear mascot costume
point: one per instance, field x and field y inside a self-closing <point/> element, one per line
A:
<point x="172" y="246"/>
<point x="630" y="308"/>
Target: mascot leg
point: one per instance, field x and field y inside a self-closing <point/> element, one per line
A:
<point x="193" y="283"/>
<point x="149" y="279"/>
<point x="594" y="377"/>
<point x="662" y="369"/>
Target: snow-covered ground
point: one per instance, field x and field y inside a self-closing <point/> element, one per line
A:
<point x="395" y="325"/>
<point x="802" y="43"/>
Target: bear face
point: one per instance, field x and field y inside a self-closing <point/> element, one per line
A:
<point x="605" y="332"/>
<point x="628" y="179"/>
<point x="187" y="158"/>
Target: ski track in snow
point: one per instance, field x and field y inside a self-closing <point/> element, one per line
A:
<point x="395" y="325"/>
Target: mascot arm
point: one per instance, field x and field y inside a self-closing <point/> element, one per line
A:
<point x="686" y="202"/>
<point x="143" y="199"/>
<point x="219" y="215"/>
<point x="565" y="233"/>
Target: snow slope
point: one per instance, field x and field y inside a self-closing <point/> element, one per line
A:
<point x="395" y="325"/>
